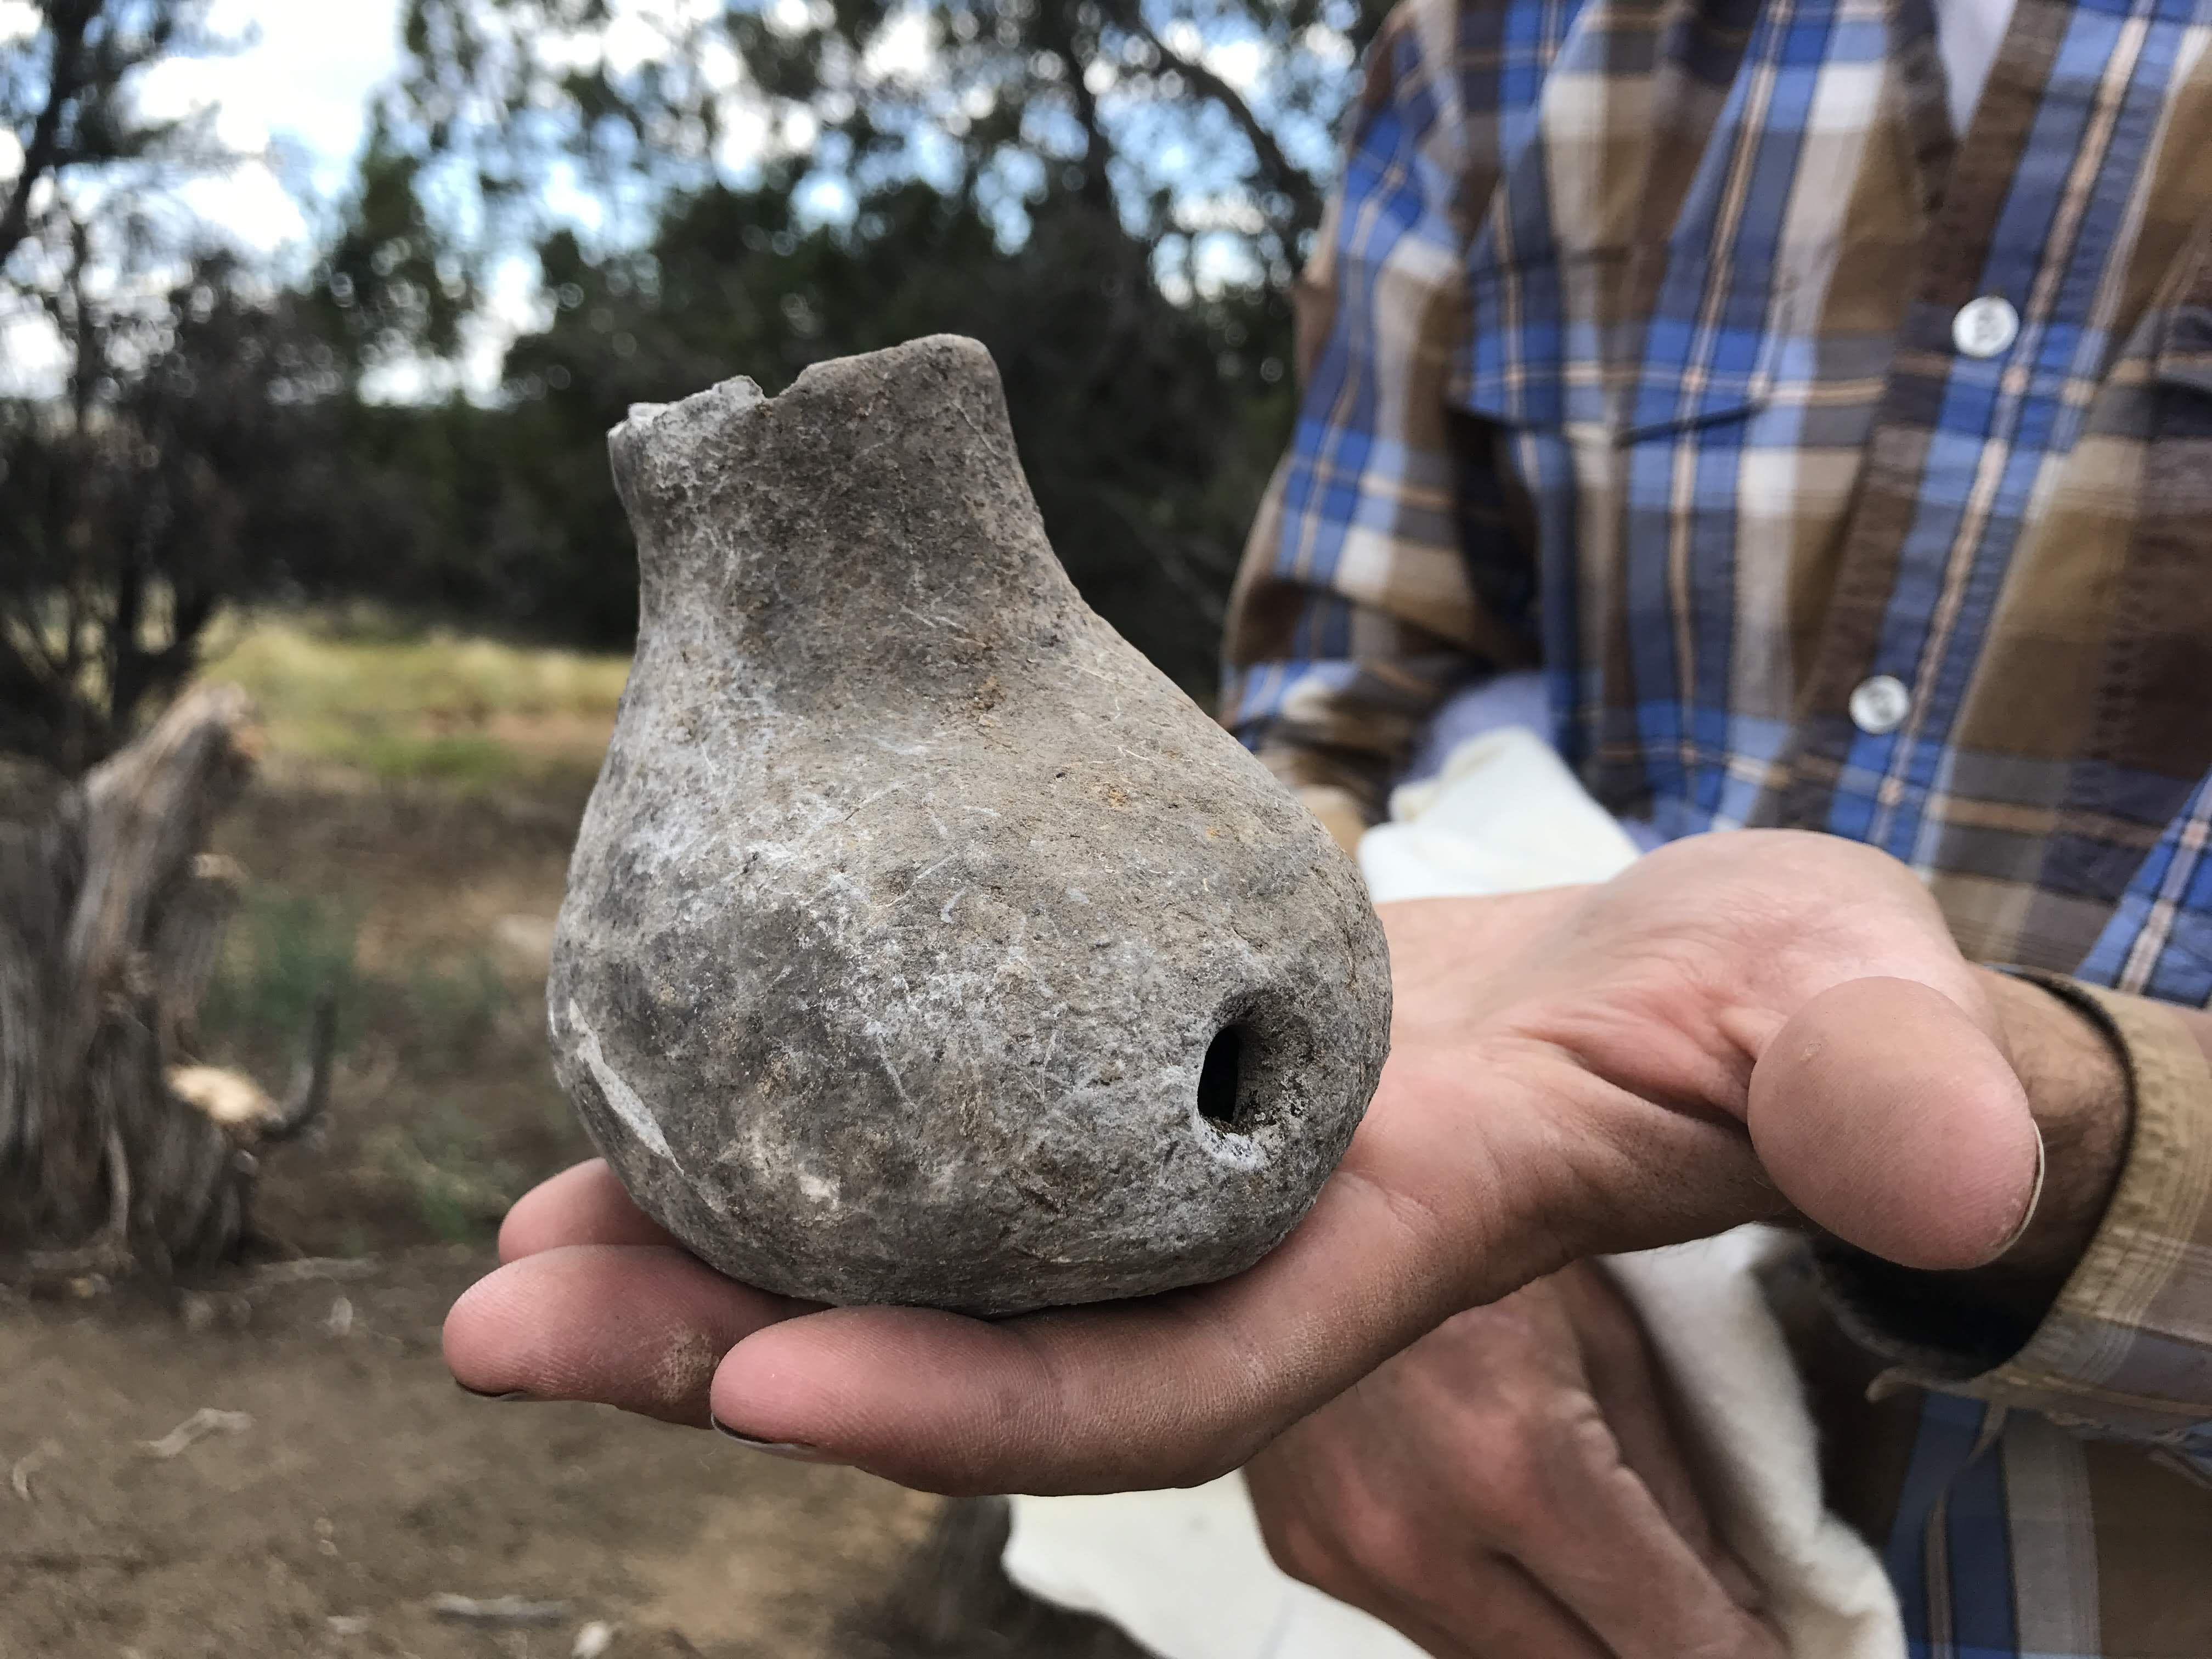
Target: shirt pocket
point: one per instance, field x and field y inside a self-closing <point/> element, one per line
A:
<point x="2149" y="739"/>
<point x="1622" y="348"/>
<point x="2157" y="718"/>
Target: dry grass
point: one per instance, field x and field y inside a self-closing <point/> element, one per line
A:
<point x="409" y="825"/>
<point x="405" y="843"/>
<point x="439" y="708"/>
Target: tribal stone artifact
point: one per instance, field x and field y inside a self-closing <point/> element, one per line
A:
<point x="923" y="944"/>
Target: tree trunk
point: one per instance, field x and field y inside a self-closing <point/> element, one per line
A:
<point x="116" y="1151"/>
<point x="953" y="1601"/>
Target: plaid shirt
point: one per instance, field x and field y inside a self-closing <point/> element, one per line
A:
<point x="1844" y="474"/>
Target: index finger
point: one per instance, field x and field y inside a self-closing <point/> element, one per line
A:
<point x="642" y="1329"/>
<point x="1171" y="1390"/>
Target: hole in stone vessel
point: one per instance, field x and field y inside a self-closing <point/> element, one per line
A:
<point x="1220" y="1078"/>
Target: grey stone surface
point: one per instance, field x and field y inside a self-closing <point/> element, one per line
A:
<point x="912" y="902"/>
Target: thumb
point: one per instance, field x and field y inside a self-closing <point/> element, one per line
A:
<point x="1885" y="1115"/>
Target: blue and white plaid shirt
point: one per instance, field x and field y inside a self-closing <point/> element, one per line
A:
<point x="1840" y="472"/>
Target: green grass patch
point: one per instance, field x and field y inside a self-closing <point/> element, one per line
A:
<point x="428" y="706"/>
<point x="435" y="1029"/>
<point x="280" y="953"/>
<point x="450" y="1012"/>
<point x="355" y="667"/>
<point x="460" y="1190"/>
<point x="469" y="759"/>
<point x="283" y="950"/>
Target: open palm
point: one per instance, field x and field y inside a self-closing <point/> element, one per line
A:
<point x="1737" y="1026"/>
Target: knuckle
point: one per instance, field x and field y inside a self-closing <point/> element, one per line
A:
<point x="1522" y="1458"/>
<point x="1507" y="1480"/>
<point x="1298" y="1550"/>
<point x="1380" y="1542"/>
<point x="1581" y="1439"/>
<point x="1302" y="1503"/>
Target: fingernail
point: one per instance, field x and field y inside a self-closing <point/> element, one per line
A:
<point x="797" y="1451"/>
<point x="2034" y="1197"/>
<point x="487" y="1393"/>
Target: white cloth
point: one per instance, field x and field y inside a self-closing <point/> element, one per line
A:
<point x="1754" y="1444"/>
<point x="1185" y="1573"/>
<point x="1503" y="816"/>
<point x="1969" y="34"/>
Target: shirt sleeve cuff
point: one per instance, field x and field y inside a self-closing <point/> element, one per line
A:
<point x="2126" y="1348"/>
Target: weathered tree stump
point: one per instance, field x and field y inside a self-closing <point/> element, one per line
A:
<point x="118" y="1151"/>
<point x="954" y="1601"/>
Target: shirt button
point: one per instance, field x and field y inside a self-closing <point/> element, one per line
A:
<point x="1880" y="705"/>
<point x="1985" y="326"/>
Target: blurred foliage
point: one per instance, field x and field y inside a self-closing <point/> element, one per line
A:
<point x="168" y="471"/>
<point x="1188" y="120"/>
<point x="388" y="285"/>
<point x="1146" y="427"/>
<point x="68" y="98"/>
<point x="192" y="462"/>
<point x="1112" y="195"/>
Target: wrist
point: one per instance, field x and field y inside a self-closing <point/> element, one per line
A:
<point x="2075" y="1076"/>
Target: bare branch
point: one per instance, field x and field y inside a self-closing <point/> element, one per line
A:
<point x="1290" y="180"/>
<point x="69" y="19"/>
<point x="311" y="1087"/>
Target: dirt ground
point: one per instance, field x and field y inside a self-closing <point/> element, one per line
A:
<point x="361" y="1483"/>
<point x="358" y="1484"/>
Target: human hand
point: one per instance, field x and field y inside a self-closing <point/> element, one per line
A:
<point x="1511" y="1486"/>
<point x="1737" y="1024"/>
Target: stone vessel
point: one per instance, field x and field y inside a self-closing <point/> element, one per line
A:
<point x="923" y="944"/>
